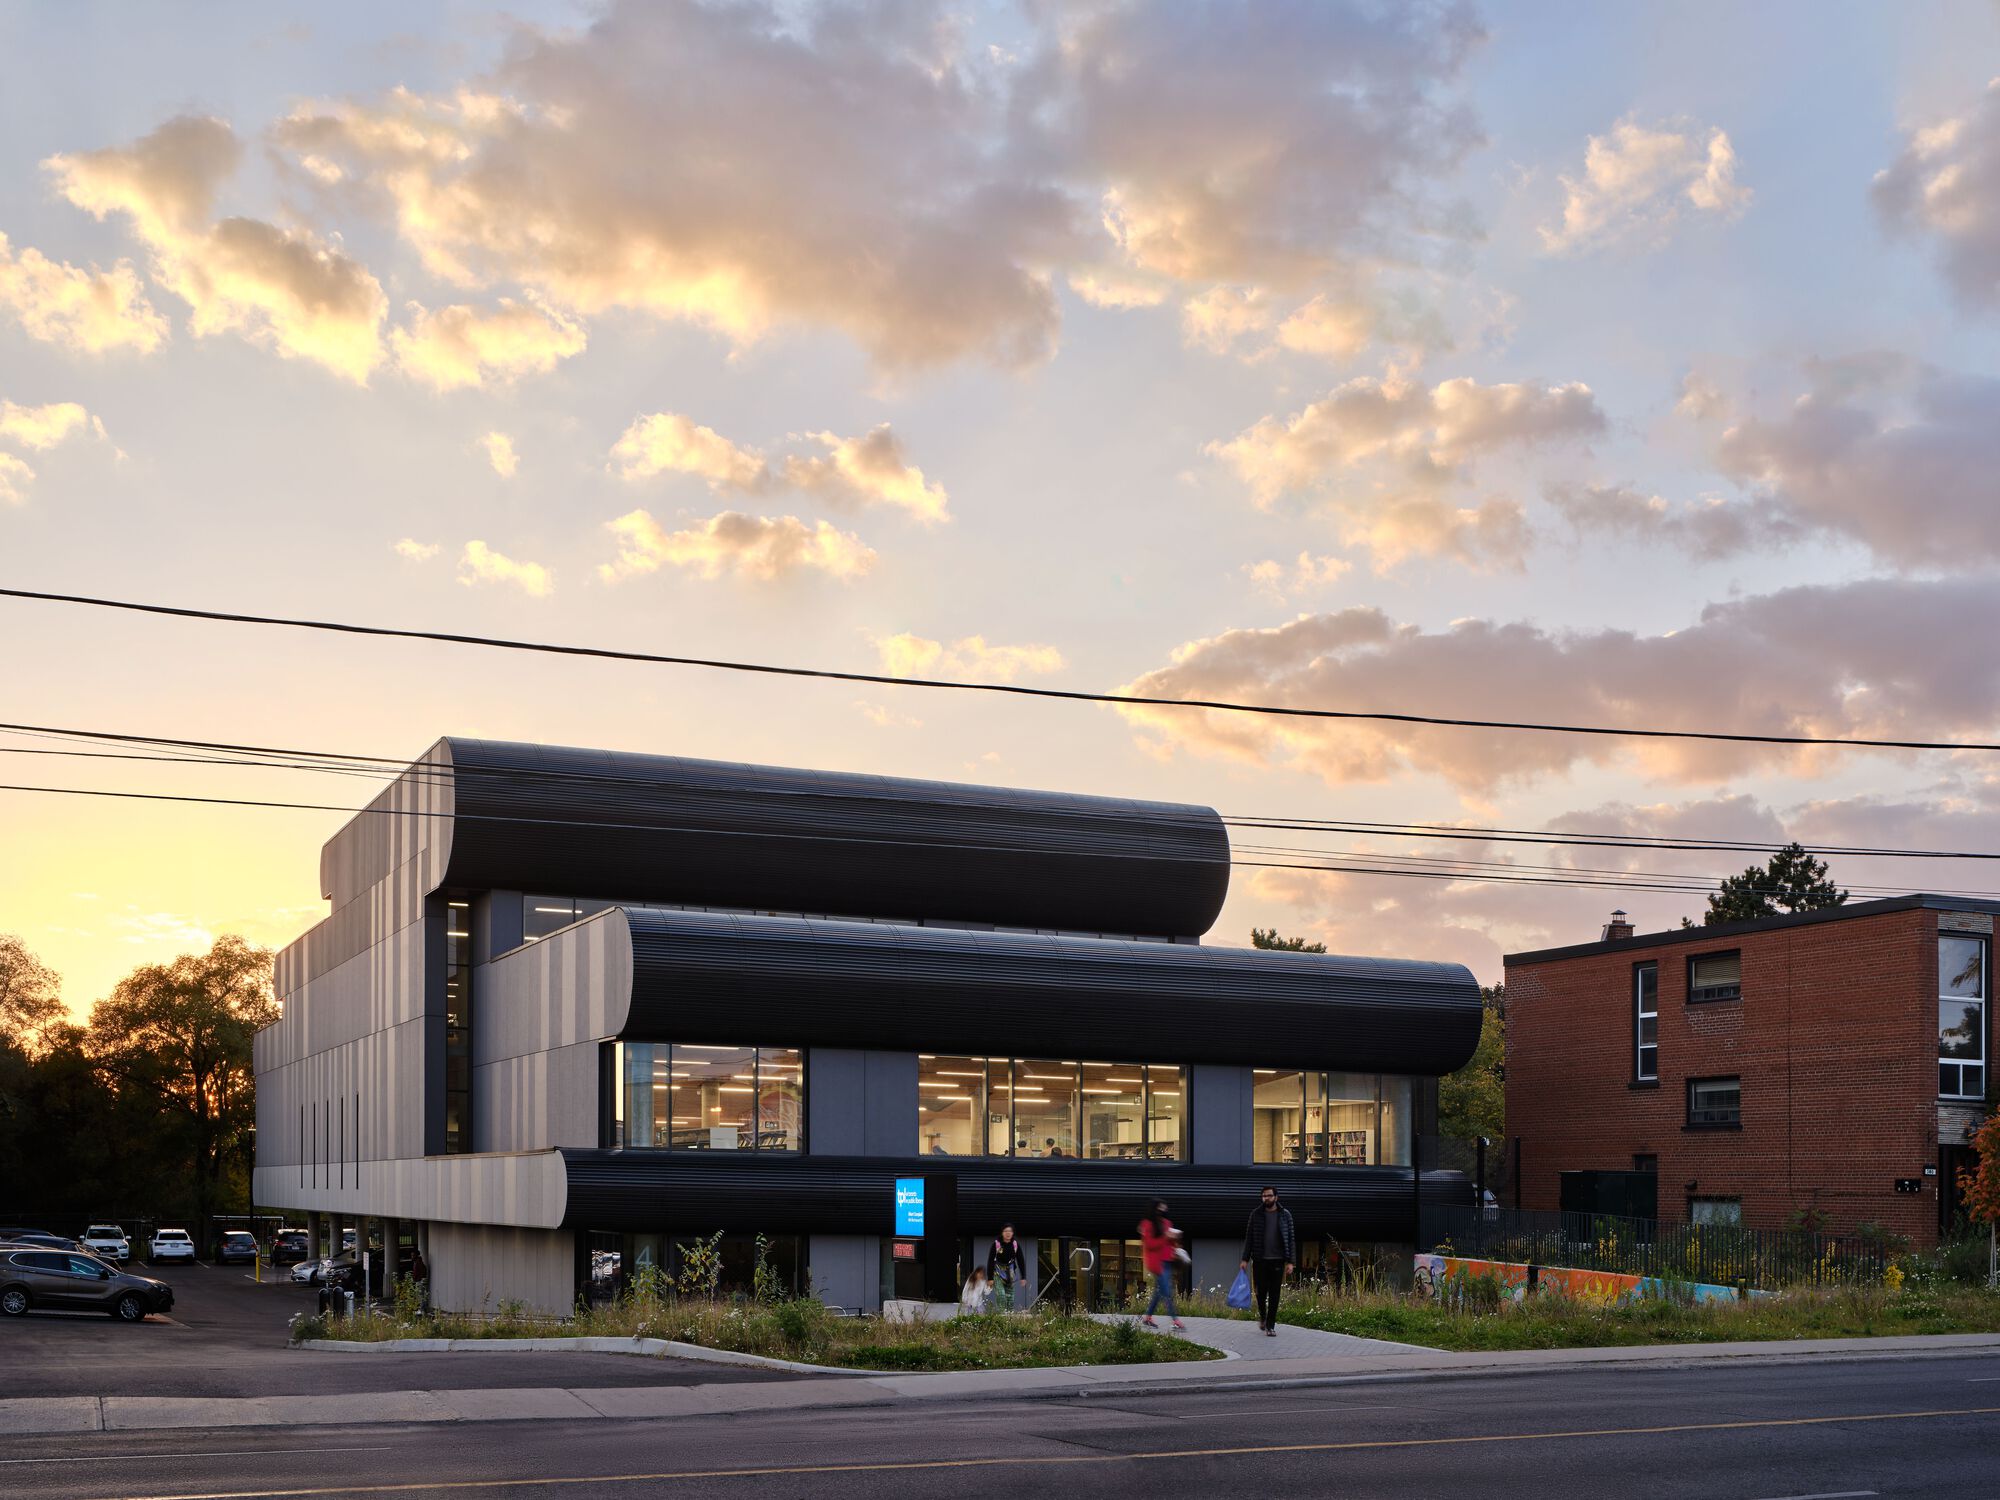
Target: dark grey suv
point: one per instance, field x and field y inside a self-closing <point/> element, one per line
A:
<point x="79" y="1283"/>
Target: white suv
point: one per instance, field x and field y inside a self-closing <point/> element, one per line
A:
<point x="109" y="1241"/>
<point x="171" y="1244"/>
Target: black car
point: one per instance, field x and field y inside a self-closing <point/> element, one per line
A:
<point x="290" y="1246"/>
<point x="236" y="1245"/>
<point x="66" y="1280"/>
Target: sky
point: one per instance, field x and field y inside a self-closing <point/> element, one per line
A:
<point x="1627" y="365"/>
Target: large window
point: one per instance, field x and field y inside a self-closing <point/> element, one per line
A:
<point x="1646" y="1022"/>
<point x="1714" y="1103"/>
<point x="542" y="915"/>
<point x="1312" y="1118"/>
<point x="1962" y="1017"/>
<point x="997" y="1106"/>
<point x="1715" y="976"/>
<point x="1715" y="1210"/>
<point x="457" y="1026"/>
<point x="692" y="1098"/>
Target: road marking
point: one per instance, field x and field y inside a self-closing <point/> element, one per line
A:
<point x="1046" y="1460"/>
<point x="114" y="1458"/>
<point x="1830" y="1495"/>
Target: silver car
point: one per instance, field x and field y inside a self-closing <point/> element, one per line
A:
<point x="68" y="1281"/>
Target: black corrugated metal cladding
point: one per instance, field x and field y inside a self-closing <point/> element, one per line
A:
<point x="708" y="833"/>
<point x="692" y="1191"/>
<point x="710" y="977"/>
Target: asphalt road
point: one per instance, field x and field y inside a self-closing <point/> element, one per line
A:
<point x="226" y="1337"/>
<point x="1741" y="1432"/>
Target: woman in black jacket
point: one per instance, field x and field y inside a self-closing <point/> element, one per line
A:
<point x="1007" y="1267"/>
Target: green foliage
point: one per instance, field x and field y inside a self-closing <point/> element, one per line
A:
<point x="1792" y="881"/>
<point x="1473" y="1101"/>
<point x="1267" y="937"/>
<point x="1126" y="1336"/>
<point x="767" y="1284"/>
<point x="701" y="1267"/>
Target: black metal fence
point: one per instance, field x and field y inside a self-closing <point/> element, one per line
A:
<point x="1723" y="1254"/>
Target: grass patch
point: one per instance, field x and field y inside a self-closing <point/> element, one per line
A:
<point x="1552" y="1321"/>
<point x="800" y="1329"/>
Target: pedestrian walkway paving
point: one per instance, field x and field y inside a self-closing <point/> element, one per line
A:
<point x="1241" y="1339"/>
<point x="69" y="1414"/>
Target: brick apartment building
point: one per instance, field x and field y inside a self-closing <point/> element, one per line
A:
<point x="1831" y="1063"/>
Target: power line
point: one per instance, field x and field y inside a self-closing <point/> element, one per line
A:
<point x="1116" y="700"/>
<point x="1672" y="884"/>
<point x="386" y="768"/>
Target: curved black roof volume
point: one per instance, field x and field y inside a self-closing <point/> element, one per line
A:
<point x="642" y="1191"/>
<point x="713" y="977"/>
<point x="613" y="825"/>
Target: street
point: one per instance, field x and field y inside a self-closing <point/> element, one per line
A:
<point x="1756" y="1431"/>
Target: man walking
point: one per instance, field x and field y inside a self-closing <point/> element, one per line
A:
<point x="1270" y="1250"/>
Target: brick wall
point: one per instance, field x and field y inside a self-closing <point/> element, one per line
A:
<point x="1834" y="1039"/>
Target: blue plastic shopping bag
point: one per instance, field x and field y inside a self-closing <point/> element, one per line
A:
<point x="1239" y="1292"/>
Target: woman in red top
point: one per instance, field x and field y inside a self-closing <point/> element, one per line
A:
<point x="1156" y="1240"/>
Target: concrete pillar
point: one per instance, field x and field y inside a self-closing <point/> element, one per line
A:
<point x="392" y="1231"/>
<point x="312" y="1236"/>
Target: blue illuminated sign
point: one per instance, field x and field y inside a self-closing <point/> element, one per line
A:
<point x="909" y="1206"/>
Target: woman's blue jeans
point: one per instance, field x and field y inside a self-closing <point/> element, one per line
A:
<point x="1163" y="1287"/>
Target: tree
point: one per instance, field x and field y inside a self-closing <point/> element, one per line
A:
<point x="182" y="1032"/>
<point x="30" y="994"/>
<point x="1792" y="881"/>
<point x="1267" y="937"/>
<point x="1980" y="1184"/>
<point x="1473" y="1101"/>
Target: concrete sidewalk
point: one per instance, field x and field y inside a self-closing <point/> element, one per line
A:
<point x="64" y="1414"/>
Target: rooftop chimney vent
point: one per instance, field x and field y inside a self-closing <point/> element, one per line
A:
<point x="1618" y="928"/>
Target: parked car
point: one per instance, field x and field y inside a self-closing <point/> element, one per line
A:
<point x="313" y="1272"/>
<point x="68" y="1279"/>
<point x="289" y="1245"/>
<point x="170" y="1244"/>
<point x="109" y="1241"/>
<point x="40" y="1238"/>
<point x="236" y="1245"/>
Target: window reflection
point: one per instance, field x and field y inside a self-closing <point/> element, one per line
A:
<point x="704" y="1098"/>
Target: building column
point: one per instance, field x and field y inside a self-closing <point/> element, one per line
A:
<point x="392" y="1230"/>
<point x="312" y="1236"/>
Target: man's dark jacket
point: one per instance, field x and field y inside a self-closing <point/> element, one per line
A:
<point x="1253" y="1236"/>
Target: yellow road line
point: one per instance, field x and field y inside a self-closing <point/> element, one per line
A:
<point x="1025" y="1460"/>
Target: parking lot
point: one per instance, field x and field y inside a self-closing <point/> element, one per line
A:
<point x="227" y="1336"/>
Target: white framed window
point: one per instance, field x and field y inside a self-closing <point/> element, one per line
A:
<point x="1962" y="965"/>
<point x="1646" y="1022"/>
<point x="1715" y="1211"/>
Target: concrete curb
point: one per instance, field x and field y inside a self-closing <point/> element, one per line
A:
<point x="652" y="1348"/>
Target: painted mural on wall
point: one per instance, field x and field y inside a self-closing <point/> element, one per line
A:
<point x="1436" y="1273"/>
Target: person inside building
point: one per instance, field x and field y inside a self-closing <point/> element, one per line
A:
<point x="1270" y="1250"/>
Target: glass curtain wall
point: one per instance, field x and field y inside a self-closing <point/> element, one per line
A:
<point x="1311" y="1118"/>
<point x="683" y="1097"/>
<point x="457" y="1025"/>
<point x="1058" y="1110"/>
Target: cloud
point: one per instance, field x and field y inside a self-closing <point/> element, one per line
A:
<point x="1637" y="183"/>
<point x="1898" y="459"/>
<point x="765" y="548"/>
<point x="867" y="470"/>
<point x="886" y="718"/>
<point x="43" y="427"/>
<point x="500" y="453"/>
<point x="415" y="550"/>
<point x="479" y="564"/>
<point x="870" y="469"/>
<point x="281" y="288"/>
<point x="1701" y="400"/>
<point x="15" y="477"/>
<point x="1946" y="183"/>
<point x="669" y="443"/>
<point x="968" y="658"/>
<point x="1304" y="575"/>
<point x="863" y="169"/>
<point x="1332" y="328"/>
<point x="1415" y="441"/>
<point x="1878" y="658"/>
<point x="462" y="346"/>
<point x="90" y="311"/>
<point x="1215" y="319"/>
<point x="1710" y="529"/>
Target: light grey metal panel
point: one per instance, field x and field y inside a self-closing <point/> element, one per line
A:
<point x="541" y="1099"/>
<point x="836" y="1101"/>
<point x="410" y="820"/>
<point x="846" y="1270"/>
<point x="528" y="1188"/>
<point x="473" y="1267"/>
<point x="573" y="986"/>
<point x="1215" y="1262"/>
<point x="1219" y="1123"/>
<point x="889" y="1121"/>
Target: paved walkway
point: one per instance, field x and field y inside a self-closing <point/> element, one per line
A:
<point x="57" y="1414"/>
<point x="1240" y="1337"/>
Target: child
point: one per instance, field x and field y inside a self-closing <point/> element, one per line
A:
<point x="977" y="1294"/>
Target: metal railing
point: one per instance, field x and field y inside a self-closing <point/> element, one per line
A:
<point x="1722" y="1254"/>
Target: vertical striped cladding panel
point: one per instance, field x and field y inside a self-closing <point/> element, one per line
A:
<point x="709" y="833"/>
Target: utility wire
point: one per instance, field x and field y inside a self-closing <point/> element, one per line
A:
<point x="1116" y="700"/>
